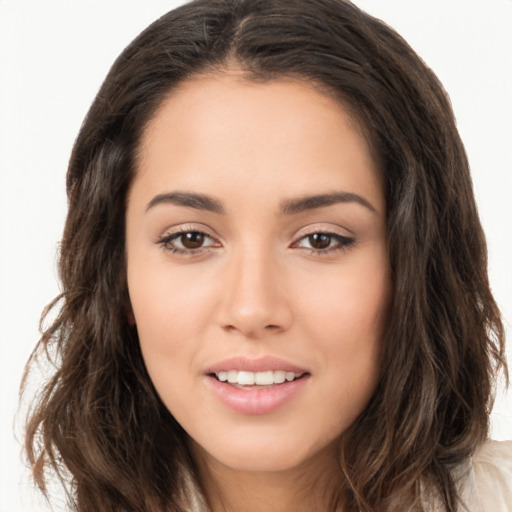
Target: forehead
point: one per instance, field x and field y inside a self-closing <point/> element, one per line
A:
<point x="284" y="134"/>
<point x="228" y="97"/>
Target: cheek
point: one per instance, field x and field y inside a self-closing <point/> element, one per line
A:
<point x="350" y="306"/>
<point x="167" y="311"/>
<point x="347" y="318"/>
<point x="169" y="314"/>
<point x="169" y="305"/>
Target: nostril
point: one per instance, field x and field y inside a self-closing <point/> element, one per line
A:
<point x="267" y="328"/>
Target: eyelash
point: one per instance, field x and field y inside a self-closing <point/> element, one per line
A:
<point x="166" y="241"/>
<point x="343" y="242"/>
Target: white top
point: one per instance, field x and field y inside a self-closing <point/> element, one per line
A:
<point x="490" y="478"/>
<point x="485" y="483"/>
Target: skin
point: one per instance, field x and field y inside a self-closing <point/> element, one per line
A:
<point x="257" y="286"/>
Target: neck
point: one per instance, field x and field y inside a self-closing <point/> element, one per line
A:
<point x="315" y="485"/>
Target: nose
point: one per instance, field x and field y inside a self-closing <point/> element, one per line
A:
<point x="254" y="301"/>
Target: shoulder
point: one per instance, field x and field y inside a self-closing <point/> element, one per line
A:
<point x="484" y="481"/>
<point x="492" y="467"/>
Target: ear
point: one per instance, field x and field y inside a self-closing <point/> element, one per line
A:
<point x="131" y="318"/>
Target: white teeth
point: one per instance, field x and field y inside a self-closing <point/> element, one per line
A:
<point x="279" y="377"/>
<point x="259" y="378"/>
<point x="246" y="378"/>
<point x="264" y="378"/>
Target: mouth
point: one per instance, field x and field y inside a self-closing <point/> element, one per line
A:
<point x="257" y="386"/>
<point x="243" y="379"/>
<point x="257" y="393"/>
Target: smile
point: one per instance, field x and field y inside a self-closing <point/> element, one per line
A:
<point x="247" y="378"/>
<point x="256" y="387"/>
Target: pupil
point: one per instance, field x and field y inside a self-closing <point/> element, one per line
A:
<point x="193" y="240"/>
<point x="319" y="240"/>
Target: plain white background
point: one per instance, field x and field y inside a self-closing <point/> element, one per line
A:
<point x="54" y="56"/>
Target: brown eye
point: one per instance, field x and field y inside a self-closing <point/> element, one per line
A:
<point x="187" y="242"/>
<point x="319" y="241"/>
<point x="324" y="242"/>
<point x="192" y="240"/>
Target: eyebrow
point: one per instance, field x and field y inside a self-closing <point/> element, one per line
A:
<point x="188" y="199"/>
<point x="305" y="203"/>
<point x="289" y="207"/>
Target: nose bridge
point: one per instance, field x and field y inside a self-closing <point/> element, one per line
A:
<point x="254" y="302"/>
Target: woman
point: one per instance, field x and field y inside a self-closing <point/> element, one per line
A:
<point x="274" y="277"/>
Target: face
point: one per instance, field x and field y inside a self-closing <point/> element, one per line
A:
<point x="257" y="268"/>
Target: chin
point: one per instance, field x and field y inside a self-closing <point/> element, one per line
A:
<point x="262" y="452"/>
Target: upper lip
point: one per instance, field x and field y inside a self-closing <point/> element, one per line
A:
<point x="261" y="364"/>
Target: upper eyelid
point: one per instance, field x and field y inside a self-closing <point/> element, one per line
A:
<point x="328" y="230"/>
<point x="188" y="228"/>
<point x="346" y="239"/>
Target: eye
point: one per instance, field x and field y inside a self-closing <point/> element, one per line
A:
<point x="322" y="242"/>
<point x="191" y="240"/>
<point x="184" y="242"/>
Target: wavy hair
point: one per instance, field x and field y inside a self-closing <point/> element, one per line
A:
<point x="98" y="423"/>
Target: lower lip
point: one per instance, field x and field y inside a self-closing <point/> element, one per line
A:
<point x="256" y="401"/>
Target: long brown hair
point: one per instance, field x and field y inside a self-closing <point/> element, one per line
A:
<point x="98" y="422"/>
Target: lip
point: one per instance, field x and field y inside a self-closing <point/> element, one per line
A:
<point x="261" y="364"/>
<point x="257" y="401"/>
